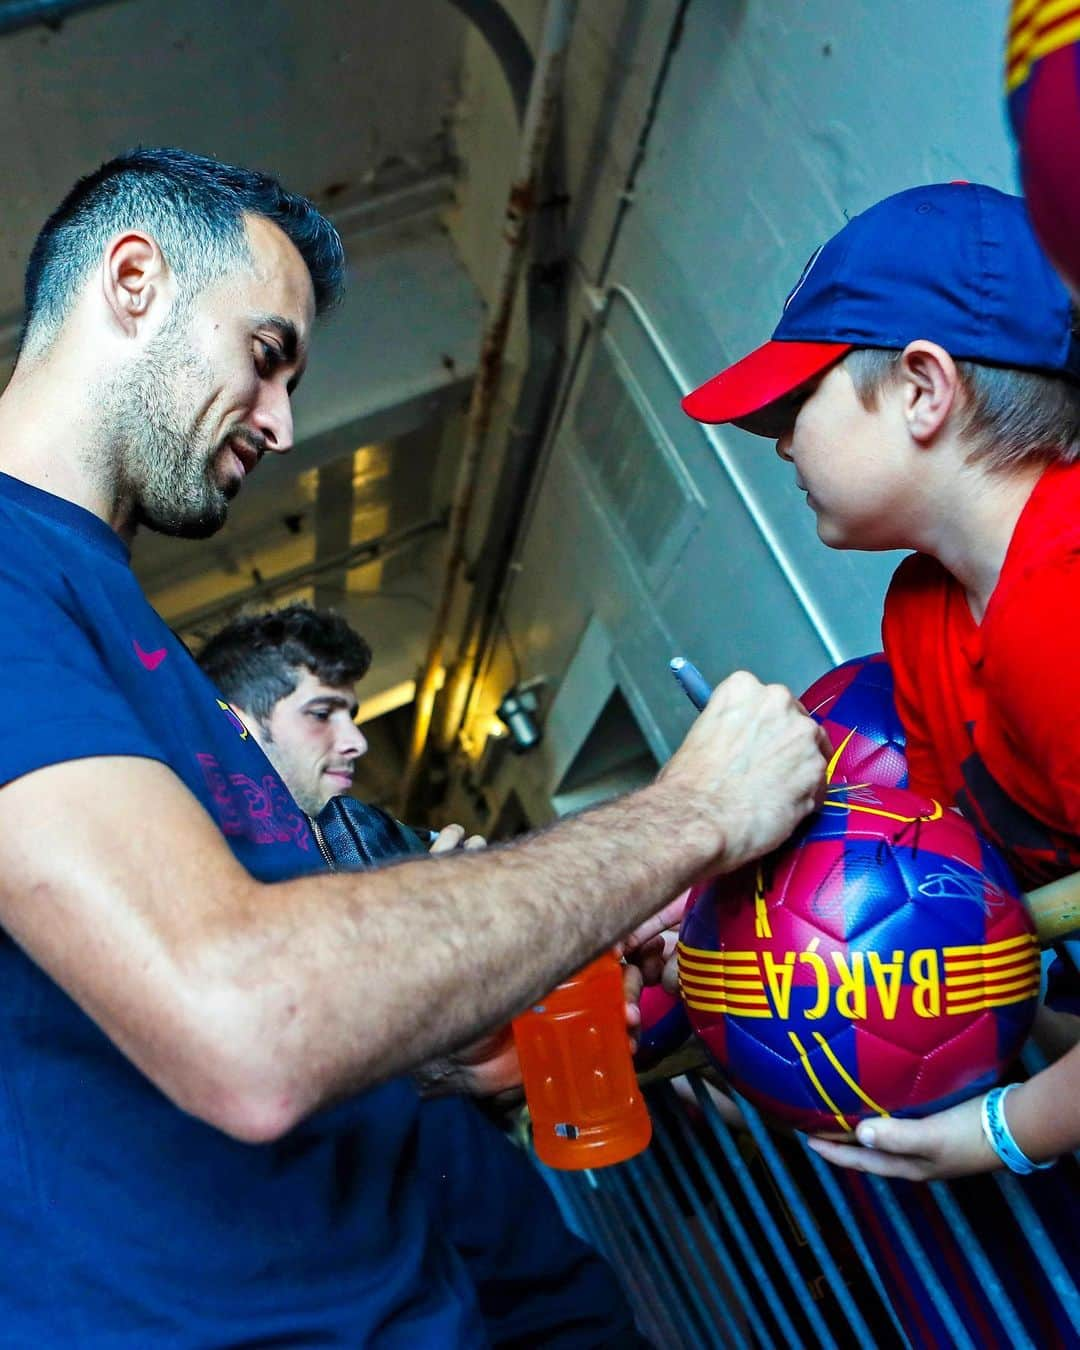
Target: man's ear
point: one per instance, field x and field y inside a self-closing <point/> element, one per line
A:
<point x="930" y="384"/>
<point x="134" y="279"/>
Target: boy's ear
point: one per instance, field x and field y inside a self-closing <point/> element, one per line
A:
<point x="930" y="384"/>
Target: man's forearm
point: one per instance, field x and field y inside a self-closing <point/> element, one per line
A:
<point x="403" y="964"/>
<point x="251" y="1004"/>
<point x="517" y="918"/>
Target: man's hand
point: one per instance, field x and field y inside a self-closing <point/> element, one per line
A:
<point x="489" y="1067"/>
<point x="755" y="761"/>
<point x="948" y="1144"/>
<point x="652" y="943"/>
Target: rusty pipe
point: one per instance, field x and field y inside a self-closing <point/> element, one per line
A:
<point x="540" y="116"/>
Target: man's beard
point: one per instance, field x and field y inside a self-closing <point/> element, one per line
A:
<point x="167" y="466"/>
<point x="310" y="798"/>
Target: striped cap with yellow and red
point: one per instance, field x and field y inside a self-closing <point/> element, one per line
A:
<point x="1042" y="84"/>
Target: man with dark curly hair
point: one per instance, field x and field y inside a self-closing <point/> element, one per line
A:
<point x="289" y="675"/>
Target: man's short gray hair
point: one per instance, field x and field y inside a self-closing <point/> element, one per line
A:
<point x="194" y="207"/>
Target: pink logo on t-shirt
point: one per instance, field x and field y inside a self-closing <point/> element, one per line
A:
<point x="261" y="811"/>
<point x="151" y="660"/>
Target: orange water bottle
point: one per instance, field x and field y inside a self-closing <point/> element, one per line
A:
<point x="582" y="1092"/>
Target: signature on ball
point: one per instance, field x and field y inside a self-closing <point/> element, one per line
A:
<point x="953" y="883"/>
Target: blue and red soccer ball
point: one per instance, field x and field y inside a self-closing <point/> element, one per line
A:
<point x="882" y="961"/>
<point x="854" y="703"/>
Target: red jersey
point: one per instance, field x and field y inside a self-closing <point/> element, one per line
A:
<point x="992" y="709"/>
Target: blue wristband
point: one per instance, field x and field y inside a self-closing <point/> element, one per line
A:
<point x="999" y="1136"/>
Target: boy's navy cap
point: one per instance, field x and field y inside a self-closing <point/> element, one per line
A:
<point x="954" y="263"/>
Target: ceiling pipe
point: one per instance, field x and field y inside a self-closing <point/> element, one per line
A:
<point x="482" y="645"/>
<point x="16" y="14"/>
<point x="383" y="546"/>
<point x="546" y="289"/>
<point x="539" y="410"/>
<point x="546" y="306"/>
<point x="508" y="46"/>
<point x="540" y="117"/>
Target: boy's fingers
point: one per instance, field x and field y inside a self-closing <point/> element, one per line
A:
<point x="632" y="983"/>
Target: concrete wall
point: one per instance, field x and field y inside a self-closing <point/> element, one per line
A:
<point x="650" y="536"/>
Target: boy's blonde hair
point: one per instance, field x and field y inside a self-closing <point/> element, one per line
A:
<point x="1007" y="417"/>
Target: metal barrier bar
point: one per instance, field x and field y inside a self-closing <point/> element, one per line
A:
<point x="570" y="1204"/>
<point x="743" y="1240"/>
<point x="1034" y="1061"/>
<point x="1041" y="1244"/>
<point x="644" y="1205"/>
<point x="976" y="1258"/>
<point x="922" y="1263"/>
<point x="655" y="1313"/>
<point x="702" y="1269"/>
<point x="719" y="1247"/>
<point x="711" y="1308"/>
<point x="807" y="1222"/>
<point x="695" y="1287"/>
<point x="846" y="1215"/>
<point x="610" y="1236"/>
<point x="764" y="1218"/>
<point x="663" y="1272"/>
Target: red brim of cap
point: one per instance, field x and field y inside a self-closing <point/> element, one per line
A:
<point x="752" y="393"/>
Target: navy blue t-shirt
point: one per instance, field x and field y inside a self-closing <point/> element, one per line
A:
<point x="124" y="1221"/>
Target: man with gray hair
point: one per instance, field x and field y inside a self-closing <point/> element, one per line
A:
<point x="234" y="1026"/>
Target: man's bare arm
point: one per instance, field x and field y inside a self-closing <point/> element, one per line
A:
<point x="251" y="1005"/>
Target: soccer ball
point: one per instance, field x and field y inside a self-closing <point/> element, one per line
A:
<point x="854" y="703"/>
<point x="882" y="962"/>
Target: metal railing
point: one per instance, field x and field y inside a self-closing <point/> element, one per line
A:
<point x="735" y="1236"/>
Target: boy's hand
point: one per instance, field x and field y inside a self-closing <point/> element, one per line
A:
<point x="948" y="1144"/>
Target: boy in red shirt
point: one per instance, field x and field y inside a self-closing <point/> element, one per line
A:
<point x="924" y="381"/>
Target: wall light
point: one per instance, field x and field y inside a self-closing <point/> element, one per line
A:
<point x="517" y="712"/>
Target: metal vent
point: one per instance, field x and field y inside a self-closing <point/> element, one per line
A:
<point x="626" y="455"/>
